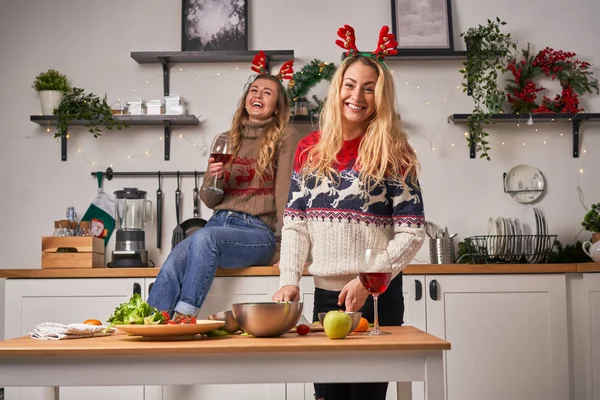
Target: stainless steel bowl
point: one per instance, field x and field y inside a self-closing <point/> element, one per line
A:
<point x="355" y="316"/>
<point x="267" y="319"/>
<point x="231" y="324"/>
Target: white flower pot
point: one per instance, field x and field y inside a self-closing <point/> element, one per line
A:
<point x="50" y="99"/>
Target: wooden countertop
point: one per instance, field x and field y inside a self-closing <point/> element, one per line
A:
<point x="414" y="269"/>
<point x="402" y="338"/>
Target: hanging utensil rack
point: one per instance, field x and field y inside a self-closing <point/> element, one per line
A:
<point x="109" y="173"/>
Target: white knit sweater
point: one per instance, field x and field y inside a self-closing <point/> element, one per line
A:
<point x="335" y="221"/>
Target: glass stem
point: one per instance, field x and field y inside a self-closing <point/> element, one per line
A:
<point x="376" y="321"/>
<point x="215" y="181"/>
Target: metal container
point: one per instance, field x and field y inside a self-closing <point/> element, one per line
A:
<point x="441" y="250"/>
<point x="231" y="325"/>
<point x="269" y="319"/>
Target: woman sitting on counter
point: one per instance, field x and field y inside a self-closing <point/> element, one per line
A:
<point x="254" y="185"/>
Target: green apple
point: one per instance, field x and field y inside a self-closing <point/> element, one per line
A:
<point x="337" y="324"/>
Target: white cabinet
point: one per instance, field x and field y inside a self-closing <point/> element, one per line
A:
<point x="29" y="302"/>
<point x="224" y="292"/>
<point x="508" y="335"/>
<point x="584" y="335"/>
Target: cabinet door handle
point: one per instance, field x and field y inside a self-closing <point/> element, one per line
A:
<point x="418" y="290"/>
<point x="150" y="288"/>
<point x="433" y="289"/>
<point x="137" y="288"/>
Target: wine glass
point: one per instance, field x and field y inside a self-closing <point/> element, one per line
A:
<point x="375" y="274"/>
<point x="220" y="150"/>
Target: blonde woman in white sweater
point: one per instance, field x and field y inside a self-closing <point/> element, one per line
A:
<point x="354" y="186"/>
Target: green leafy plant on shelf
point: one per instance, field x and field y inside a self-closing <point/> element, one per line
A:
<point x="570" y="253"/>
<point x="591" y="222"/>
<point x="76" y="105"/>
<point x="488" y="53"/>
<point x="51" y="80"/>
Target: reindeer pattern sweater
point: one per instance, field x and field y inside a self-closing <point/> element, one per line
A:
<point x="334" y="221"/>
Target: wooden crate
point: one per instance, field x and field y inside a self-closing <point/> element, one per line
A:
<point x="81" y="252"/>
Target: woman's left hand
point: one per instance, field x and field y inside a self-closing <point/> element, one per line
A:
<point x="353" y="295"/>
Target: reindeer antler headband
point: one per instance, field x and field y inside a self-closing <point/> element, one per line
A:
<point x="386" y="45"/>
<point x="259" y="65"/>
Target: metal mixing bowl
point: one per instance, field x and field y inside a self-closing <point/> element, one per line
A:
<point x="355" y="316"/>
<point x="231" y="324"/>
<point x="267" y="319"/>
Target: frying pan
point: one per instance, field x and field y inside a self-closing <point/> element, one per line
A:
<point x="191" y="225"/>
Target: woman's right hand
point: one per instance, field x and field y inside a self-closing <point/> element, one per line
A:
<point x="287" y="293"/>
<point x="215" y="168"/>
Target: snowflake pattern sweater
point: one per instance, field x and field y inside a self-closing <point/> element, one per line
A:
<point x="333" y="222"/>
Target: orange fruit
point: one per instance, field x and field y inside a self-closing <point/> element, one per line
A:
<point x="92" y="322"/>
<point x="362" y="326"/>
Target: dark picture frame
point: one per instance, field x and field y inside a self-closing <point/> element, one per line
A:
<point x="423" y="24"/>
<point x="214" y="25"/>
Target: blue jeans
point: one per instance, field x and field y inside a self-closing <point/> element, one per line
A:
<point x="229" y="240"/>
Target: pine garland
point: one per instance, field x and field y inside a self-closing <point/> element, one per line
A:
<point x="310" y="75"/>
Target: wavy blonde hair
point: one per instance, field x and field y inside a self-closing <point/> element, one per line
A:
<point x="384" y="151"/>
<point x="274" y="131"/>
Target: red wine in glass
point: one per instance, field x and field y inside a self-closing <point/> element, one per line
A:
<point x="375" y="282"/>
<point x="220" y="150"/>
<point x="222" y="158"/>
<point x="375" y="274"/>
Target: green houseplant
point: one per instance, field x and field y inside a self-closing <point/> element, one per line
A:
<point x="78" y="105"/>
<point x="488" y="53"/>
<point x="591" y="222"/>
<point x="50" y="85"/>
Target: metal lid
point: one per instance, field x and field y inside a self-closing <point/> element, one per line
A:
<point x="130" y="193"/>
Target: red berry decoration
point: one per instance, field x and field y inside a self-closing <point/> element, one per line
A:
<point x="302" y="330"/>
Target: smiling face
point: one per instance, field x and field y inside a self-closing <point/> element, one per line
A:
<point x="357" y="95"/>
<point x="261" y="100"/>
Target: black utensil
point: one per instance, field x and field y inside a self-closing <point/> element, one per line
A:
<point x="191" y="225"/>
<point x="159" y="206"/>
<point x="178" y="234"/>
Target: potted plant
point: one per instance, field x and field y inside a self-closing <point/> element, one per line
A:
<point x="488" y="53"/>
<point x="50" y="85"/>
<point x="76" y="105"/>
<point x="591" y="222"/>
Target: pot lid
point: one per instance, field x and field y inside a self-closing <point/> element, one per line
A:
<point x="130" y="193"/>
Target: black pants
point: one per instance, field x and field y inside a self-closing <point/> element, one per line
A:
<point x="391" y="313"/>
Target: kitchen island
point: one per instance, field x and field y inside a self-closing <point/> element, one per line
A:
<point x="408" y="354"/>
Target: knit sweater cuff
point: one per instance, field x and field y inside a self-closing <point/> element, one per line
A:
<point x="289" y="278"/>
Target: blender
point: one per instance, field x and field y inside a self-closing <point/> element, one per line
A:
<point x="130" y="246"/>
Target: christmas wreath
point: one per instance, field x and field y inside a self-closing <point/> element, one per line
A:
<point x="574" y="76"/>
<point x="310" y="75"/>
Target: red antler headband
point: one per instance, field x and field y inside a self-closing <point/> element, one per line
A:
<point x="259" y="65"/>
<point x="386" y="45"/>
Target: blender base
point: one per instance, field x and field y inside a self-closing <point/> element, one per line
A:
<point x="129" y="259"/>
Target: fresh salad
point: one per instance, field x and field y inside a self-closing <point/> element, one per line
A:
<point x="138" y="312"/>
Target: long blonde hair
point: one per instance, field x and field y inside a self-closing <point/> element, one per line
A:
<point x="384" y="151"/>
<point x="274" y="131"/>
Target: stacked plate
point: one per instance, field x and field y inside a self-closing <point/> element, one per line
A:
<point x="512" y="239"/>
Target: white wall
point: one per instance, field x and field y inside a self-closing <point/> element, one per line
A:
<point x="91" y="43"/>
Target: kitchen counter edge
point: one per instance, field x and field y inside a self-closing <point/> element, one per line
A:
<point x="413" y="269"/>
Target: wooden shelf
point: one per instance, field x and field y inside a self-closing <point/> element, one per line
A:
<point x="156" y="120"/>
<point x="575" y="119"/>
<point x="304" y="119"/>
<point x="425" y="54"/>
<point x="162" y="57"/>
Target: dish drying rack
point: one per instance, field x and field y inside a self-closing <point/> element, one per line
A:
<point x="518" y="249"/>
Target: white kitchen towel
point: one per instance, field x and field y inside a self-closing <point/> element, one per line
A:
<point x="54" y="331"/>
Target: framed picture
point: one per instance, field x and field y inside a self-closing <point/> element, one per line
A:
<point x="422" y="24"/>
<point x="214" y="25"/>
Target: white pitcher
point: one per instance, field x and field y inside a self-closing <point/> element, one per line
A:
<point x="592" y="250"/>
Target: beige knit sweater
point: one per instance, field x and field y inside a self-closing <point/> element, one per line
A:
<point x="244" y="191"/>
